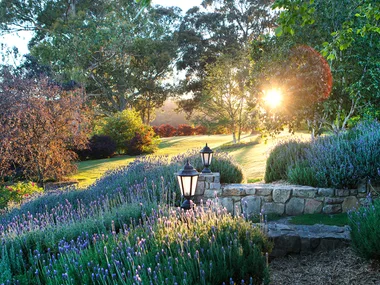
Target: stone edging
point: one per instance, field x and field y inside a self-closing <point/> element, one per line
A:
<point x="252" y="199"/>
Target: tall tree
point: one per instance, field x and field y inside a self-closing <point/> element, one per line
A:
<point x="347" y="33"/>
<point x="224" y="103"/>
<point x="226" y="27"/>
<point x="113" y="48"/>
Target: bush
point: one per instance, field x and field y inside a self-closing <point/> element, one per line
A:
<point x="336" y="161"/>
<point x="101" y="146"/>
<point x="122" y="128"/>
<point x="166" y="131"/>
<point x="201" y="247"/>
<point x="200" y="130"/>
<point x="365" y="230"/>
<point x="185" y="130"/>
<point x="17" y="192"/>
<point x="284" y="155"/>
<point x="143" y="142"/>
<point x="38" y="225"/>
<point x="341" y="161"/>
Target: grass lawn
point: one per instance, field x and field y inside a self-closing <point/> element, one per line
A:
<point x="251" y="154"/>
<point x="312" y="219"/>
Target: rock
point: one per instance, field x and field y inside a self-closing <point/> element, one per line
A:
<point x="234" y="190"/>
<point x="228" y="203"/>
<point x="209" y="177"/>
<point x="215" y="185"/>
<point x="251" y="205"/>
<point x="342" y="192"/>
<point x="274" y="208"/>
<point x="210" y="194"/>
<point x="295" y="206"/>
<point x="350" y="203"/>
<point x="332" y="209"/>
<point x="326" y="192"/>
<point x="329" y="200"/>
<point x="263" y="191"/>
<point x="313" y="206"/>
<point x="353" y="192"/>
<point x="305" y="193"/>
<point x="281" y="195"/>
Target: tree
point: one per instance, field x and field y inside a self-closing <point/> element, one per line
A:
<point x="226" y="27"/>
<point x="226" y="93"/>
<point x="118" y="52"/>
<point x="349" y="39"/>
<point x="39" y="125"/>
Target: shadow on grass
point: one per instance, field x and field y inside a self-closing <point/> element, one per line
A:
<point x="93" y="164"/>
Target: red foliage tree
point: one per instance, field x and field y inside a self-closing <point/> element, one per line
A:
<point x="39" y="125"/>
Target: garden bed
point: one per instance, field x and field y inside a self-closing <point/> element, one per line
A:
<point x="340" y="266"/>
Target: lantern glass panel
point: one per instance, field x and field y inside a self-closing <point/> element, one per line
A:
<point x="194" y="184"/>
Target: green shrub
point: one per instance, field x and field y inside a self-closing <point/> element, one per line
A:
<point x="17" y="192"/>
<point x="365" y="230"/>
<point x="123" y="126"/>
<point x="284" y="155"/>
<point x="337" y="161"/>
<point x="342" y="161"/>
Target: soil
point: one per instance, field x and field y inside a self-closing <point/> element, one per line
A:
<point x="337" y="267"/>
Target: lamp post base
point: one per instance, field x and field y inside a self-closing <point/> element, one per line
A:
<point x="186" y="205"/>
<point x="206" y="170"/>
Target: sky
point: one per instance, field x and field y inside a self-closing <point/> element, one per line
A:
<point x="21" y="40"/>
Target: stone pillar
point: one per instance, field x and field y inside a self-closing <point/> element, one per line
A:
<point x="209" y="182"/>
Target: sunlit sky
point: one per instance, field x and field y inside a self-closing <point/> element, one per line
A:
<point x="21" y="40"/>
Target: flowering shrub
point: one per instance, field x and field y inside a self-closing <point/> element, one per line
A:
<point x="30" y="233"/>
<point x="170" y="246"/>
<point x="365" y="230"/>
<point x="338" y="161"/>
<point x="17" y="192"/>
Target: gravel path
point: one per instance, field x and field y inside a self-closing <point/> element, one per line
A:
<point x="338" y="267"/>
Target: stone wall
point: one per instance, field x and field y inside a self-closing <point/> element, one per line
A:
<point x="278" y="198"/>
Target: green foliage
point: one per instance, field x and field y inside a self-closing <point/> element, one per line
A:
<point x="230" y="171"/>
<point x="123" y="126"/>
<point x="284" y="155"/>
<point x="338" y="161"/>
<point x="17" y="192"/>
<point x="365" y="230"/>
<point x="200" y="247"/>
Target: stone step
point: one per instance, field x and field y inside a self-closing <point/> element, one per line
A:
<point x="301" y="239"/>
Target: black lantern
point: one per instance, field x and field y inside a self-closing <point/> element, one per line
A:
<point x="206" y="155"/>
<point x="187" y="180"/>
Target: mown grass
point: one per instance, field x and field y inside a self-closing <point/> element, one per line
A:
<point x="324" y="219"/>
<point x="251" y="154"/>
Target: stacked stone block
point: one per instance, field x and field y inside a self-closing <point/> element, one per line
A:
<point x="290" y="200"/>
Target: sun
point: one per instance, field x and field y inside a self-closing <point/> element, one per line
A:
<point x="273" y="97"/>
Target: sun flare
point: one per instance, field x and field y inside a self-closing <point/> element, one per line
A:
<point x="273" y="98"/>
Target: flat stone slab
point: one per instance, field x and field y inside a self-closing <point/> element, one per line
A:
<point x="300" y="239"/>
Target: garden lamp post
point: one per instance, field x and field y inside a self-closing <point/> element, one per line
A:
<point x="206" y="155"/>
<point x="187" y="180"/>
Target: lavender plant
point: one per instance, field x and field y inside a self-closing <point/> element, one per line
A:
<point x="111" y="203"/>
<point x="365" y="229"/>
<point x="169" y="247"/>
<point x="338" y="161"/>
